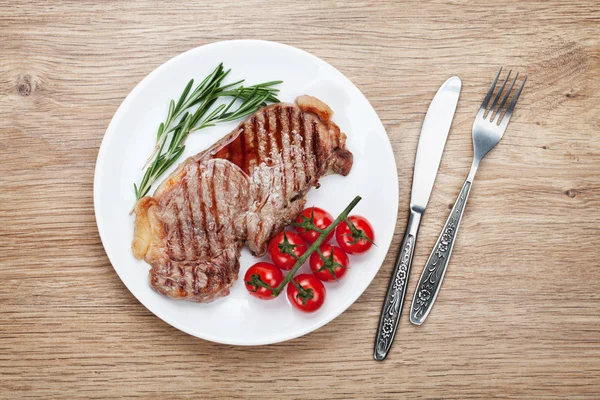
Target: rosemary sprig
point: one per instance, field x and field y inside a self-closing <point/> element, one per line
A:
<point x="181" y="121"/>
<point x="257" y="281"/>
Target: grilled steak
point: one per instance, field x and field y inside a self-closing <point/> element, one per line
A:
<point x="243" y="190"/>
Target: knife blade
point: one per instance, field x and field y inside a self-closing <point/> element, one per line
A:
<point x="432" y="141"/>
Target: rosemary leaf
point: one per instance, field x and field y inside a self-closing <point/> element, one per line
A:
<point x="182" y="97"/>
<point x="161" y="129"/>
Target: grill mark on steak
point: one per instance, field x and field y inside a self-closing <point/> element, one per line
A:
<point x="284" y="152"/>
<point x="243" y="190"/>
<point x="305" y="156"/>
<point x="265" y="122"/>
<point x="228" y="195"/>
<point x="179" y="220"/>
<point x="246" y="148"/>
<point x="268" y="139"/>
<point x="202" y="227"/>
<point x="194" y="203"/>
<point x="243" y="150"/>
<point x="293" y="162"/>
<point x="188" y="222"/>
<point x="209" y="224"/>
<point x="183" y="219"/>
<point x="299" y="155"/>
<point x="261" y="143"/>
<point x="315" y="147"/>
<point x="251" y="148"/>
<point x="278" y="130"/>
<point x="286" y="168"/>
<point x="176" y="245"/>
<point x="195" y="285"/>
<point x="214" y="206"/>
<point x="232" y="151"/>
<point x="308" y="150"/>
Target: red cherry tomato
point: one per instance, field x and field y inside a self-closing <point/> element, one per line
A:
<point x="269" y="274"/>
<point x="312" y="296"/>
<point x="317" y="216"/>
<point x="357" y="241"/>
<point x="282" y="246"/>
<point x="336" y="262"/>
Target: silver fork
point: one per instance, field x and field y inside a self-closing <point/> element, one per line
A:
<point x="488" y="128"/>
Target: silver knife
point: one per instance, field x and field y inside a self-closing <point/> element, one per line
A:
<point x="429" y="154"/>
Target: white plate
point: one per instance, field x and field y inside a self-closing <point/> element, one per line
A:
<point x="239" y="318"/>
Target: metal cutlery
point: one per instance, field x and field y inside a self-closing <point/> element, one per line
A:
<point x="488" y="128"/>
<point x="429" y="154"/>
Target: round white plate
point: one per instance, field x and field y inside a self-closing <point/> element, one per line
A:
<point x="239" y="318"/>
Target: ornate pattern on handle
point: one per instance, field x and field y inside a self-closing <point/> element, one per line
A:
<point x="434" y="270"/>
<point x="394" y="299"/>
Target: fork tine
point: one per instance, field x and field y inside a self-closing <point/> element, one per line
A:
<point x="511" y="107"/>
<point x="491" y="112"/>
<point x="508" y="93"/>
<point x="505" y="99"/>
<point x="488" y="96"/>
<point x="514" y="100"/>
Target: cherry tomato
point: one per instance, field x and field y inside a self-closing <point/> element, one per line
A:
<point x="317" y="216"/>
<point x="268" y="273"/>
<point x="312" y="296"/>
<point x="358" y="240"/>
<point x="336" y="262"/>
<point x="282" y="246"/>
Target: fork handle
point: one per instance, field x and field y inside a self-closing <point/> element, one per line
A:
<point x="433" y="273"/>
<point x="394" y="299"/>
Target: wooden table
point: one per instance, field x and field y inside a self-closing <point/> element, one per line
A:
<point x="519" y="314"/>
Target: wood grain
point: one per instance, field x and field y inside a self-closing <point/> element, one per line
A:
<point x="519" y="315"/>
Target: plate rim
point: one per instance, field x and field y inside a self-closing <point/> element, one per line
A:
<point x="100" y="161"/>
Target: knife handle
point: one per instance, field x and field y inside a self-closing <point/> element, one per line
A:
<point x="392" y="306"/>
<point x="433" y="273"/>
